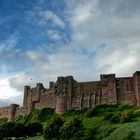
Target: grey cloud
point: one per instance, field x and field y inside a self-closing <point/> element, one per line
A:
<point x="18" y="81"/>
<point x="120" y="34"/>
<point x="6" y="102"/>
<point x="123" y="8"/>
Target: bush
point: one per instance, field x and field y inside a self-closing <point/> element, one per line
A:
<point x="124" y="107"/>
<point x="75" y="112"/>
<point x="70" y="128"/>
<point x="125" y="117"/>
<point x="39" y="115"/>
<point x="120" y="117"/>
<point x="84" y="134"/>
<point x="2" y="133"/>
<point x="32" y="117"/>
<point x="52" y="129"/>
<point x="2" y="121"/>
<point x="19" y="118"/>
<point x="11" y="129"/>
<point x="108" y="116"/>
<point x="19" y="130"/>
<point x="91" y="112"/>
<point x="8" y="129"/>
<point x="115" y="118"/>
<point x="45" y="114"/>
<point x="34" y="128"/>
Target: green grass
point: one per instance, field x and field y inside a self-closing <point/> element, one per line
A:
<point x="103" y="129"/>
<point x="125" y="131"/>
<point x="92" y="122"/>
<point x="35" y="138"/>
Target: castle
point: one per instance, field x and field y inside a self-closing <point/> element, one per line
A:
<point x="66" y="93"/>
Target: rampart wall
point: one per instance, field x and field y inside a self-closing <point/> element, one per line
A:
<point x="66" y="93"/>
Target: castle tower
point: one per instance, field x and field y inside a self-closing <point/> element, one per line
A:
<point x="69" y="91"/>
<point x="51" y="85"/>
<point x="13" y="108"/>
<point x="36" y="92"/>
<point x="27" y="96"/>
<point x="136" y="78"/>
<point x="63" y="88"/>
<point x="108" y="82"/>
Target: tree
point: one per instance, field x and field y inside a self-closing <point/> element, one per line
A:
<point x="70" y="128"/>
<point x="34" y="128"/>
<point x="52" y="129"/>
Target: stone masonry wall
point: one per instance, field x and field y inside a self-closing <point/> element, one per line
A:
<point x="125" y="91"/>
<point x="5" y="112"/>
<point x="47" y="99"/>
<point x="136" y="82"/>
<point x="85" y="95"/>
<point x="66" y="93"/>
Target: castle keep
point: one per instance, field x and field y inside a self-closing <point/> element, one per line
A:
<point x="66" y="93"/>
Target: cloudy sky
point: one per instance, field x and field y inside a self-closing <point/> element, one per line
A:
<point x="43" y="39"/>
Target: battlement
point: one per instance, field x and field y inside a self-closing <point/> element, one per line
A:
<point x="66" y="93"/>
<point x="105" y="78"/>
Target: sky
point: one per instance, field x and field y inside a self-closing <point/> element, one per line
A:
<point x="43" y="39"/>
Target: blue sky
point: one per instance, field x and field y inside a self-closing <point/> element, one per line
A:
<point x="44" y="39"/>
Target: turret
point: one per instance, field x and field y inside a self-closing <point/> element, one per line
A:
<point x="27" y="91"/>
<point x="136" y="78"/>
<point x="51" y="84"/>
<point x="63" y="88"/>
<point x="13" y="108"/>
<point x="105" y="78"/>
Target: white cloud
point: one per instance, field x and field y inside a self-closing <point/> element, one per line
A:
<point x="83" y="11"/>
<point x="52" y="34"/>
<point x="7" y="91"/>
<point x="41" y="17"/>
<point x="99" y="26"/>
<point x="49" y="15"/>
<point x="93" y="23"/>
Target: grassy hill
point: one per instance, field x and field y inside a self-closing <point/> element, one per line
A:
<point x="104" y="122"/>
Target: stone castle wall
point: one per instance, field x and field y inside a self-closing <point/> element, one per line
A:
<point x="5" y="112"/>
<point x="66" y="93"/>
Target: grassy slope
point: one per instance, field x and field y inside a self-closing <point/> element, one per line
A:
<point x="106" y="130"/>
<point x="103" y="129"/>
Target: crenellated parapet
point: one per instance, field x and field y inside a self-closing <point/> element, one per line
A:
<point x="32" y="96"/>
<point x="66" y="93"/>
<point x="63" y="91"/>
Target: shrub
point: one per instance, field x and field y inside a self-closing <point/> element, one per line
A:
<point x="52" y="129"/>
<point x="124" y="107"/>
<point x="7" y="129"/>
<point x="34" y="128"/>
<point x="115" y="118"/>
<point x="32" y="117"/>
<point x="91" y="112"/>
<point x="125" y="117"/>
<point x="11" y="129"/>
<point x="84" y="134"/>
<point x="19" y="130"/>
<point x="2" y="121"/>
<point x="45" y="114"/>
<point x="39" y="115"/>
<point x="19" y="118"/>
<point x="130" y="136"/>
<point x="70" y="128"/>
<point x="2" y="133"/>
<point x="108" y="116"/>
<point x="120" y="117"/>
<point x="75" y="112"/>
